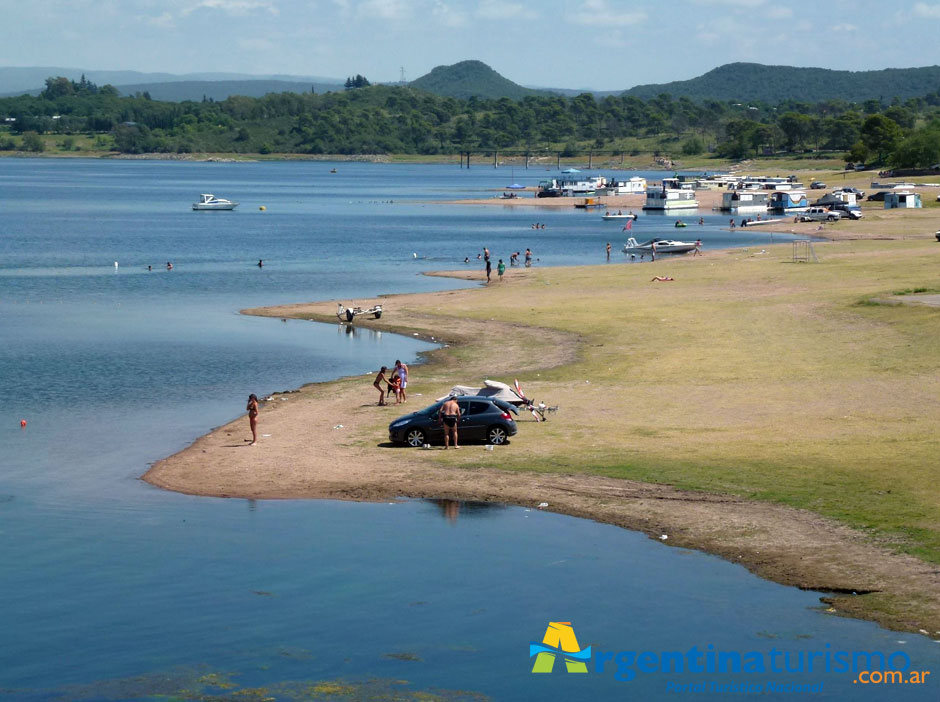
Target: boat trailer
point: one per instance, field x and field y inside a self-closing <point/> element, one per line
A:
<point x="348" y="314"/>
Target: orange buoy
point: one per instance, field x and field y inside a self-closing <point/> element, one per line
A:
<point x="23" y="423"/>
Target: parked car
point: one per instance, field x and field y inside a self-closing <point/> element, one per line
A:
<point x="858" y="193"/>
<point x="481" y="419"/>
<point x="848" y="211"/>
<point x="817" y="185"/>
<point x="819" y="214"/>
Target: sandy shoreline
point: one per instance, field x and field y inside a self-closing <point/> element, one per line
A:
<point x="328" y="440"/>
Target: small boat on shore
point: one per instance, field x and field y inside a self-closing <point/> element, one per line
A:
<point x="208" y="201"/>
<point x="661" y="246"/>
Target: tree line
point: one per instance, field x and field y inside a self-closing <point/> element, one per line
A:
<point x="378" y="119"/>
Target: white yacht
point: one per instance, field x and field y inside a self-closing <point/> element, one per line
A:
<point x="208" y="201"/>
<point x="659" y="246"/>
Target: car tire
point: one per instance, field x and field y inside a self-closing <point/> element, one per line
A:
<point x="496" y="435"/>
<point x="831" y="218"/>
<point x="415" y="437"/>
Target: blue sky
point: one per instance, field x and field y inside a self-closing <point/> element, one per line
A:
<point x="599" y="44"/>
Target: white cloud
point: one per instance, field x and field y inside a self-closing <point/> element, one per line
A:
<point x="234" y="7"/>
<point x="447" y="15"/>
<point x="734" y="3"/>
<point x="382" y="9"/>
<point x="846" y="27"/>
<point x="164" y="21"/>
<point x="598" y="13"/>
<point x="496" y="10"/>
<point x="923" y="9"/>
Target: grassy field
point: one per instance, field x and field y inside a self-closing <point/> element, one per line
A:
<point x="750" y="375"/>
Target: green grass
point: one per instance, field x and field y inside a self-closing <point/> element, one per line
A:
<point x="748" y="375"/>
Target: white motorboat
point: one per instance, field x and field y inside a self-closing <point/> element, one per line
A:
<point x="661" y="246"/>
<point x="208" y="201"/>
<point x="619" y="215"/>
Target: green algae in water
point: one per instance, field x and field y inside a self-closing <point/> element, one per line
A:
<point x="201" y="685"/>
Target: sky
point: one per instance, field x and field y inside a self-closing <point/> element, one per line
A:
<point x="596" y="44"/>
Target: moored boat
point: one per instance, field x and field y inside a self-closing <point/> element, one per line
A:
<point x="670" y="196"/>
<point x="658" y="246"/>
<point x="208" y="201"/>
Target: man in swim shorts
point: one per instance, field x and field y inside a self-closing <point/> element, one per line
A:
<point x="449" y="415"/>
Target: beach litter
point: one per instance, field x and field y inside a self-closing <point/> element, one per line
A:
<point x="543" y="505"/>
<point x="338" y="426"/>
<point x="488" y="447"/>
<point x="266" y="436"/>
<point x="663" y="537"/>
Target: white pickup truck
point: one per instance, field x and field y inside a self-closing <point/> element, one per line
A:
<point x="819" y="214"/>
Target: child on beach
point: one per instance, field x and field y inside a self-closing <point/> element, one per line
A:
<point x="394" y="386"/>
<point x="377" y="384"/>
<point x="500" y="269"/>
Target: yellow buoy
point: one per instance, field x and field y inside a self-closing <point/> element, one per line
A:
<point x="262" y="208"/>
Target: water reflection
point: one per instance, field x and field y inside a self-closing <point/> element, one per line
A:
<point x="451" y="509"/>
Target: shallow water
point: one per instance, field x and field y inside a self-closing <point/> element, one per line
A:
<point x="110" y="586"/>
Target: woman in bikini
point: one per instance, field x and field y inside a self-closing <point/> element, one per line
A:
<point x="379" y="379"/>
<point x="253" y="417"/>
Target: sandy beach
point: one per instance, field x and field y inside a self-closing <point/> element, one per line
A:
<point x="330" y="440"/>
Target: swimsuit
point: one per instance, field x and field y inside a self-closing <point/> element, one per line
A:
<point x="450" y="420"/>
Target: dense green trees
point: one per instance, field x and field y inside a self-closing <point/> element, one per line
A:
<point x="400" y="119"/>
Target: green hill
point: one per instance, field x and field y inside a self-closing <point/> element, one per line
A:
<point x="471" y="78"/>
<point x="749" y="82"/>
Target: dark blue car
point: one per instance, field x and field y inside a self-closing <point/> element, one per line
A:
<point x="481" y="419"/>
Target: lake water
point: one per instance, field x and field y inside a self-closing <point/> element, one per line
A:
<point x="114" y="590"/>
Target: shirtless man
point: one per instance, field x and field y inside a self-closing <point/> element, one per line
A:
<point x="449" y="415"/>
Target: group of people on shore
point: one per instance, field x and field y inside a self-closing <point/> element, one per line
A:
<point x="395" y="382"/>
<point x="500" y="266"/>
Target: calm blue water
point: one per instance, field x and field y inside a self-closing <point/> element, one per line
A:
<point x="112" y="589"/>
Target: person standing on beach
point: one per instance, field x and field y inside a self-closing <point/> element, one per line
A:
<point x="449" y="415"/>
<point x="402" y="371"/>
<point x="500" y="269"/>
<point x="394" y="386"/>
<point x="528" y="258"/>
<point x="377" y="384"/>
<point x="489" y="269"/>
<point x="486" y="254"/>
<point x="608" y="250"/>
<point x="252" y="409"/>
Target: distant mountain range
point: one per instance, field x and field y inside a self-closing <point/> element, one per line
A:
<point x="754" y="81"/>
<point x="166" y="86"/>
<point x="744" y="82"/>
